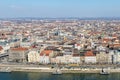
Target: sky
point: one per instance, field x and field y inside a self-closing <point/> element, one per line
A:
<point x="59" y="8"/>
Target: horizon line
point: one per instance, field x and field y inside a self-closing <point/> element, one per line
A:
<point x="78" y="18"/>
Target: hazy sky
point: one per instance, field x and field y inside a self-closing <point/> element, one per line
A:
<point x="59" y="8"/>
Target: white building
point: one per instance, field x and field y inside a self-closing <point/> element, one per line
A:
<point x="90" y="59"/>
<point x="66" y="59"/>
<point x="45" y="56"/>
<point x="44" y="59"/>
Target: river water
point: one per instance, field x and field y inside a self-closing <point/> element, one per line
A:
<point x="49" y="76"/>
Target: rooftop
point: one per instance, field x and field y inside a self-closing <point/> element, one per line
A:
<point x="89" y="53"/>
<point x="45" y="52"/>
<point x="19" y="49"/>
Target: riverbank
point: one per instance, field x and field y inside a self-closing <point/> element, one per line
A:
<point x="66" y="70"/>
<point x="26" y="68"/>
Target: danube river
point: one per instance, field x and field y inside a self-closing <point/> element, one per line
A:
<point x="49" y="76"/>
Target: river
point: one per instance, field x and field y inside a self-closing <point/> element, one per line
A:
<point x="49" y="76"/>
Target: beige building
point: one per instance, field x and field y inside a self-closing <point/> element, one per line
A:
<point x="102" y="57"/>
<point x="33" y="57"/>
<point x="18" y="54"/>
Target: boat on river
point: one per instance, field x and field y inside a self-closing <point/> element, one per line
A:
<point x="104" y="72"/>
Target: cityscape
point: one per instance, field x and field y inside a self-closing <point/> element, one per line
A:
<point x="54" y="40"/>
<point x="67" y="42"/>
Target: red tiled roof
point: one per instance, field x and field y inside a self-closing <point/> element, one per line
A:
<point x="106" y="40"/>
<point x="78" y="44"/>
<point x="45" y="52"/>
<point x="89" y="53"/>
<point x="76" y="55"/>
<point x="19" y="49"/>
